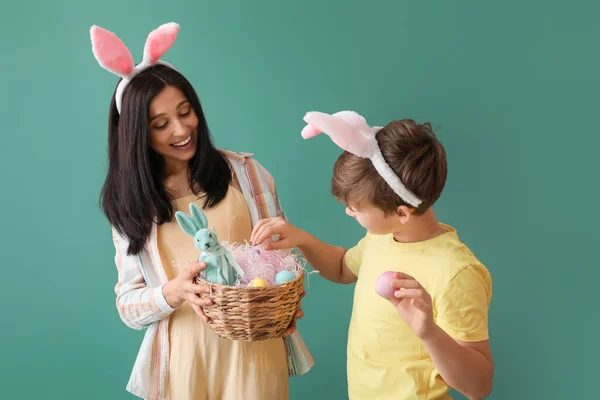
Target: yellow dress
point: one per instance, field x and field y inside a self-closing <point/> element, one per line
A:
<point x="204" y="366"/>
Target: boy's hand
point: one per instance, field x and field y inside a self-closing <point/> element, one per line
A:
<point x="289" y="235"/>
<point x="413" y="304"/>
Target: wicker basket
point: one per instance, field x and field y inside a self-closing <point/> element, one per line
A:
<point x="253" y="313"/>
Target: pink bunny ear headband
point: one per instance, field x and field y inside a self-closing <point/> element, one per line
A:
<point x="113" y="55"/>
<point x="351" y="132"/>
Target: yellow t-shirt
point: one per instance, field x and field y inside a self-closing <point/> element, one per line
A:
<point x="386" y="360"/>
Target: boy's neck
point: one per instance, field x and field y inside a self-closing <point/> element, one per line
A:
<point x="420" y="228"/>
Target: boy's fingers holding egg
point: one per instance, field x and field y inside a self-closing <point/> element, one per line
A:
<point x="402" y="275"/>
<point x="405" y="283"/>
<point x="408" y="293"/>
<point x="421" y="305"/>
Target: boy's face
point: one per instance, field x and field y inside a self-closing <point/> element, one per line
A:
<point x="374" y="220"/>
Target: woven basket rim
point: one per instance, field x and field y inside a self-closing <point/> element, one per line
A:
<point x="217" y="285"/>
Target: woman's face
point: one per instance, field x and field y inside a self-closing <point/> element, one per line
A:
<point x="173" y="126"/>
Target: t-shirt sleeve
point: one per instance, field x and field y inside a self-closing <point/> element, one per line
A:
<point x="354" y="256"/>
<point x="462" y="308"/>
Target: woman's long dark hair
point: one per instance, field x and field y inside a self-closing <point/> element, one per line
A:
<point x="133" y="196"/>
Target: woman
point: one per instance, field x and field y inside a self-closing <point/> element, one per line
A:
<point x="161" y="158"/>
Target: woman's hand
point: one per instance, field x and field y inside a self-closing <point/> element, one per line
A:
<point x="183" y="288"/>
<point x="292" y="328"/>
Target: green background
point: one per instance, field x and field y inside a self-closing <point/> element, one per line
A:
<point x="510" y="87"/>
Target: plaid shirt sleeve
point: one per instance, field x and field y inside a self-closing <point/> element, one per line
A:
<point x="269" y="183"/>
<point x="138" y="304"/>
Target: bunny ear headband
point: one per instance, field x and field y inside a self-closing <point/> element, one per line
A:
<point x="351" y="132"/>
<point x="113" y="55"/>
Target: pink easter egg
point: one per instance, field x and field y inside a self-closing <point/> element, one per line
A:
<point x="383" y="285"/>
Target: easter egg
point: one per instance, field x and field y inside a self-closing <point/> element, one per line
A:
<point x="284" y="276"/>
<point x="259" y="282"/>
<point x="383" y="285"/>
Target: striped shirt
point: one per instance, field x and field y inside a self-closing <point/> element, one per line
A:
<point x="142" y="305"/>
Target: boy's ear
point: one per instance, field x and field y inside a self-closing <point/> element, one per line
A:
<point x="404" y="213"/>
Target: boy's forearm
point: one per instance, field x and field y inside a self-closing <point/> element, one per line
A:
<point x="324" y="257"/>
<point x="464" y="369"/>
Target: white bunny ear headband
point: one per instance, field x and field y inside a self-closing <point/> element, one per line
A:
<point x="113" y="55"/>
<point x="351" y="132"/>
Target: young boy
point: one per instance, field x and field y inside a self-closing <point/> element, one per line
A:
<point x="432" y="332"/>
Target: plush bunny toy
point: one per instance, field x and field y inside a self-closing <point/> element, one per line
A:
<point x="221" y="267"/>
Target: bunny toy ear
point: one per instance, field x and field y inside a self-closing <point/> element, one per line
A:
<point x="159" y="41"/>
<point x="110" y="52"/>
<point x="186" y="223"/>
<point x="198" y="216"/>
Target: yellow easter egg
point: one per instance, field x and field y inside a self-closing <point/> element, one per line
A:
<point x="259" y="282"/>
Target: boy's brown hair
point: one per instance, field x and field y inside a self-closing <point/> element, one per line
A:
<point x="412" y="151"/>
